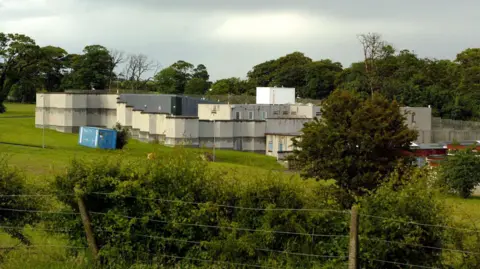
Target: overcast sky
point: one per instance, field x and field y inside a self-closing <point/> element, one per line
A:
<point x="230" y="36"/>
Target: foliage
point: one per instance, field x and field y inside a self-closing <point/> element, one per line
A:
<point x="13" y="183"/>
<point x="123" y="135"/>
<point x="183" y="77"/>
<point x="188" y="194"/>
<point x="234" y="86"/>
<point x="18" y="58"/>
<point x="460" y="172"/>
<point x="406" y="197"/>
<point x="356" y="142"/>
<point x="90" y="70"/>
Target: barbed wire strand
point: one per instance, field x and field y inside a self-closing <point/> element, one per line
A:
<point x="35" y="229"/>
<point x="226" y="206"/>
<point x="258" y="249"/>
<point x="39" y="211"/>
<point x="405" y="264"/>
<point x="260" y="209"/>
<point x="179" y="240"/>
<point x="34" y="195"/>
<point x="418" y="224"/>
<point x="192" y="203"/>
<point x="220" y="262"/>
<point x="35" y="246"/>
<point x="221" y="227"/>
<point x="420" y="246"/>
<point x="245" y="229"/>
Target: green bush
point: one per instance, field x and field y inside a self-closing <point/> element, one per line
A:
<point x="186" y="177"/>
<point x="407" y="197"/>
<point x="12" y="184"/>
<point x="460" y="173"/>
<point x="123" y="135"/>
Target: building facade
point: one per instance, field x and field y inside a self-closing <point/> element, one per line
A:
<point x="263" y="128"/>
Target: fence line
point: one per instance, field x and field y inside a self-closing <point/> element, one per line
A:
<point x="192" y="203"/>
<point x="419" y="224"/>
<point x="418" y="245"/>
<point x="221" y="227"/>
<point x="225" y="227"/>
<point x="174" y="239"/>
<point x="243" y="208"/>
<point x="234" y="228"/>
<point x="258" y="249"/>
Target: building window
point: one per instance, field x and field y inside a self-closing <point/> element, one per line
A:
<point x="275" y="112"/>
<point x="285" y="112"/>
<point x="280" y="147"/>
<point x="318" y="113"/>
<point x="238" y="115"/>
<point x="263" y="115"/>
<point x="270" y="146"/>
<point x="294" y="113"/>
<point x="413" y="117"/>
<point x="250" y="115"/>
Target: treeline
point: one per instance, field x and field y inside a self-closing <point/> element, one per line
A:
<point x="452" y="88"/>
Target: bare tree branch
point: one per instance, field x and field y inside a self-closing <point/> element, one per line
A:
<point x="136" y="67"/>
<point x="118" y="57"/>
<point x="372" y="45"/>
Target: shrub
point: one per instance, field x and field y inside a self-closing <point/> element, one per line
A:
<point x="160" y="224"/>
<point x="390" y="235"/>
<point x="460" y="173"/>
<point x="13" y="183"/>
<point x="356" y="142"/>
<point x="123" y="135"/>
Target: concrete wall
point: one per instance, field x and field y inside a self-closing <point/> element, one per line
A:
<point x="274" y="142"/>
<point x="237" y="135"/>
<point x="66" y="112"/>
<point x="162" y="103"/>
<point x="420" y="119"/>
<point x="182" y="131"/>
<point x="274" y="95"/>
<point x="256" y="112"/>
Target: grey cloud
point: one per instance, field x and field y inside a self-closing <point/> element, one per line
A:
<point x="183" y="29"/>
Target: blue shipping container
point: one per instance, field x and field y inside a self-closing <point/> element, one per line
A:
<point x="97" y="137"/>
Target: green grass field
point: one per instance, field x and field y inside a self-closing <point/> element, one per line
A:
<point x="22" y="143"/>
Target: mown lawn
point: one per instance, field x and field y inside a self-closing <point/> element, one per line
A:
<point x="23" y="143"/>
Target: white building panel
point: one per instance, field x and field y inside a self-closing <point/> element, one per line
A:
<point x="276" y="96"/>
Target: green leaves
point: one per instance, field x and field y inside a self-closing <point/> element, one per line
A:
<point x="460" y="172"/>
<point x="179" y="197"/>
<point x="356" y="142"/>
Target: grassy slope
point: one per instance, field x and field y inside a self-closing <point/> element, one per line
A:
<point x="22" y="143"/>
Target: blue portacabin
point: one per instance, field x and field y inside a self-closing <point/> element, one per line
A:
<point x="94" y="137"/>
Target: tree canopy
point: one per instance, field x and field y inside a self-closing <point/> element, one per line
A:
<point x="450" y="87"/>
<point x="356" y="142"/>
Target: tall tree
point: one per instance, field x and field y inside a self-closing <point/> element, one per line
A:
<point x="356" y="142"/>
<point x="118" y="57"/>
<point x="235" y="86"/>
<point x="373" y="48"/>
<point x="137" y="65"/>
<point x="53" y="67"/>
<point x="320" y="79"/>
<point x="174" y="79"/>
<point x="18" y="57"/>
<point x="91" y="70"/>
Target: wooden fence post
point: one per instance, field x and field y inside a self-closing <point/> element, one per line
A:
<point x="86" y="223"/>
<point x="353" y="248"/>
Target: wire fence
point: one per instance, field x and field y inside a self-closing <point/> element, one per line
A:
<point x="306" y="254"/>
